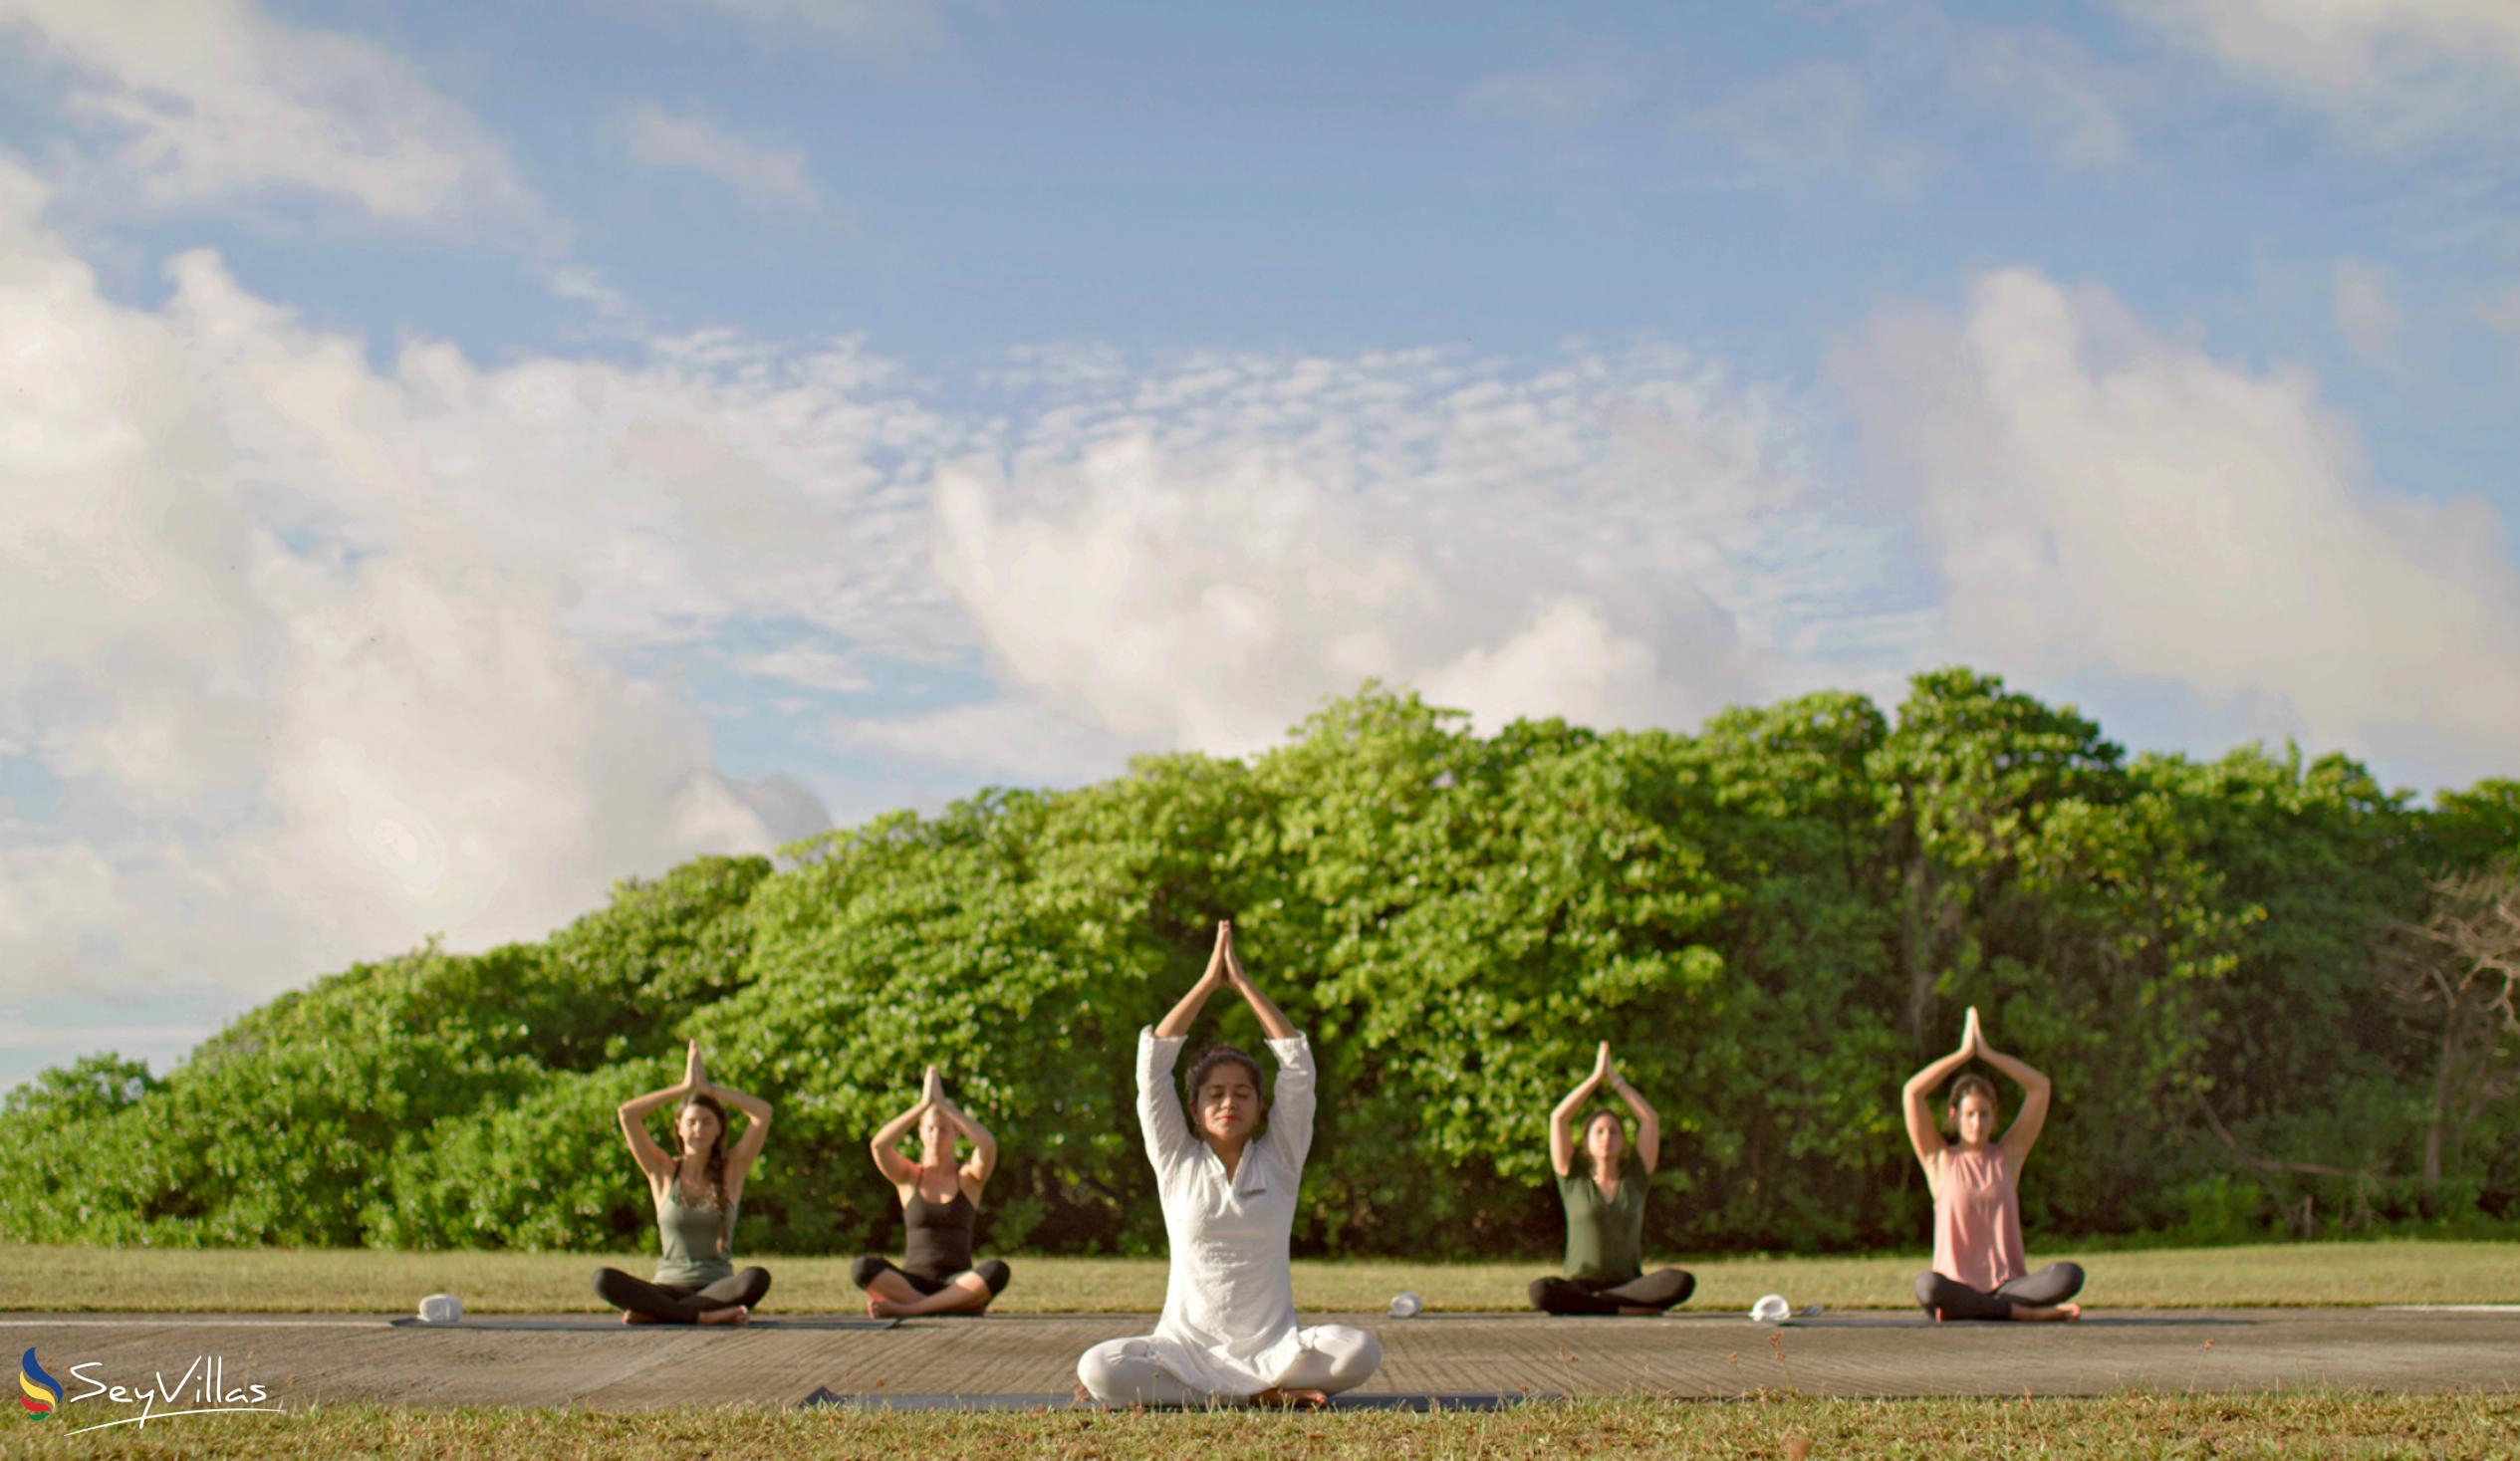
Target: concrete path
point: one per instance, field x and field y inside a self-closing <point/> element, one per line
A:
<point x="304" y="1359"/>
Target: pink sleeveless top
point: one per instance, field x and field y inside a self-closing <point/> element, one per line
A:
<point x="1978" y="1219"/>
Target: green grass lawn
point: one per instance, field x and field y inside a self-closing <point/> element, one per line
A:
<point x="2115" y="1427"/>
<point x="312" y="1280"/>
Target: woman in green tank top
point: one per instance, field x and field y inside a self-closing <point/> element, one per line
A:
<point x="1604" y="1199"/>
<point x="696" y="1194"/>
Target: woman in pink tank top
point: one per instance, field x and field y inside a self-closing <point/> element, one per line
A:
<point x="1979" y="1267"/>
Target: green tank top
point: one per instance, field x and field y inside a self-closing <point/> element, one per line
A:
<point x="1605" y="1239"/>
<point x="691" y="1258"/>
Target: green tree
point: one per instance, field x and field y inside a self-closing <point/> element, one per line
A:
<point x="1773" y="920"/>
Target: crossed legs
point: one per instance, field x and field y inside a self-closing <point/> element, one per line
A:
<point x="1645" y="1294"/>
<point x="728" y="1301"/>
<point x="1335" y="1357"/>
<point x="893" y="1291"/>
<point x="2039" y="1296"/>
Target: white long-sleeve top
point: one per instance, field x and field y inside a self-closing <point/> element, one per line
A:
<point x="1228" y="1324"/>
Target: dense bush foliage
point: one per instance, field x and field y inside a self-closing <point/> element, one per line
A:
<point x="1774" y="921"/>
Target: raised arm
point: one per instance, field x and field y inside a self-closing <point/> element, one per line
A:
<point x="1273" y="1021"/>
<point x="1562" y="1120"/>
<point x="1186" y="1012"/>
<point x="983" y="1162"/>
<point x="887" y="1145"/>
<point x="1649" y="1125"/>
<point x="1296" y="1095"/>
<point x="747" y="1147"/>
<point x="634" y="1111"/>
<point x="1160" y="1118"/>
<point x="1917" y="1102"/>
<point x="2036" y="1090"/>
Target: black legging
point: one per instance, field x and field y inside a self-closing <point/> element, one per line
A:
<point x="992" y="1271"/>
<point x="2052" y="1285"/>
<point x="1658" y="1290"/>
<point x="675" y="1304"/>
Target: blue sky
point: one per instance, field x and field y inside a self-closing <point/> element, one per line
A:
<point x="465" y="455"/>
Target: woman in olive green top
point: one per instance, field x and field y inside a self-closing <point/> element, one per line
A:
<point x="1605" y="1207"/>
<point x="696" y="1195"/>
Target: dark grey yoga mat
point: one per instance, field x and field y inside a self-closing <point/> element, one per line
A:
<point x="2088" y="1321"/>
<point x="886" y="1400"/>
<point x="614" y="1322"/>
<point x="1908" y="1319"/>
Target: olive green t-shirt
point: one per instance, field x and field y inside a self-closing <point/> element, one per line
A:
<point x="689" y="1235"/>
<point x="1604" y="1238"/>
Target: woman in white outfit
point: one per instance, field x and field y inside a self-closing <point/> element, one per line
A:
<point x="1228" y="1332"/>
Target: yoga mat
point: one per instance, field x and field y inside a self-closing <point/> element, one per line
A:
<point x="2087" y="1322"/>
<point x="1421" y="1401"/>
<point x="1892" y="1319"/>
<point x="614" y="1322"/>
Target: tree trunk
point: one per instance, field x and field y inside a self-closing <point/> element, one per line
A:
<point x="1917" y="937"/>
<point x="2435" y="1128"/>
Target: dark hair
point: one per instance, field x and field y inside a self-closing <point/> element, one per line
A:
<point x="1214" y="1055"/>
<point x="1962" y="1089"/>
<point x="716" y="1170"/>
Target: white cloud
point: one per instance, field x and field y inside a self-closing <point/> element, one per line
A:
<point x="2400" y="70"/>
<point x="1023" y="739"/>
<point x="718" y="481"/>
<point x="2104" y="500"/>
<point x="2363" y="312"/>
<point x="51" y="1041"/>
<point x="808" y="665"/>
<point x="1196" y="561"/>
<point x="2344" y="44"/>
<point x="206" y="101"/>
<point x="326" y="658"/>
<point x="766" y="177"/>
<point x="325" y="654"/>
<point x="1569" y="659"/>
<point x="586" y="285"/>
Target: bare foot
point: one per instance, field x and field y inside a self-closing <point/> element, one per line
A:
<point x="2047" y="1312"/>
<point x="738" y="1314"/>
<point x="1291" y="1400"/>
<point x="633" y="1316"/>
<point x="884" y="1308"/>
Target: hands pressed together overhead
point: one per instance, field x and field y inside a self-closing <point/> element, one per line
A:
<point x="1224" y="967"/>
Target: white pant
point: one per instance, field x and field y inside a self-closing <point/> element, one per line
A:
<point x="1335" y="1357"/>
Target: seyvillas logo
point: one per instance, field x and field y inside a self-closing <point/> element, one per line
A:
<point x="42" y="1393"/>
<point x="203" y="1388"/>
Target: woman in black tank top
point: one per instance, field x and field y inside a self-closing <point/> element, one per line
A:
<point x="940" y="1203"/>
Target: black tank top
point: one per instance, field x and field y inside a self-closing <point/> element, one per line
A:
<point x="938" y="1244"/>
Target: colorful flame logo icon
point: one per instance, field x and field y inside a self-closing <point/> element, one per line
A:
<point x="43" y="1392"/>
